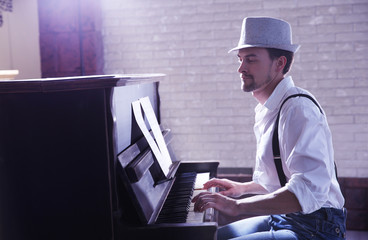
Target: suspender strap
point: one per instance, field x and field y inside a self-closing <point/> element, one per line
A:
<point x="275" y="139"/>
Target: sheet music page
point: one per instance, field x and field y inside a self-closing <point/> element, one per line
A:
<point x="159" y="149"/>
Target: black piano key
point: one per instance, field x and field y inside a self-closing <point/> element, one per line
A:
<point x="174" y="209"/>
<point x="176" y="206"/>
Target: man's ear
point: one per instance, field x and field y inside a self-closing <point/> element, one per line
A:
<point x="280" y="63"/>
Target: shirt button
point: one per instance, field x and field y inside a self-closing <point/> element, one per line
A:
<point x="337" y="230"/>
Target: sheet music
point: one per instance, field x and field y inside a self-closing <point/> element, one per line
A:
<point x="158" y="147"/>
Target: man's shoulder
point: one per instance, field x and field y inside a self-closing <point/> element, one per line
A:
<point x="296" y="90"/>
<point x="299" y="104"/>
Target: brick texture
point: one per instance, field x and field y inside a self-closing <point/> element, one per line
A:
<point x="210" y="117"/>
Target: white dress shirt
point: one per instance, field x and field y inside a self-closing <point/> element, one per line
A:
<point x="305" y="147"/>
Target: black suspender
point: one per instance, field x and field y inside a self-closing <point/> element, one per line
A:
<point x="275" y="139"/>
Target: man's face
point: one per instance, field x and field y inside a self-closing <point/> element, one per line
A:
<point x="256" y="69"/>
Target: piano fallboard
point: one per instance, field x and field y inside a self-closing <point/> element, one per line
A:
<point x="145" y="192"/>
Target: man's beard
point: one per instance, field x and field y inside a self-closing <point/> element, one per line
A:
<point x="250" y="85"/>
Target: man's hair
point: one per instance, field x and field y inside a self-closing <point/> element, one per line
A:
<point x="276" y="53"/>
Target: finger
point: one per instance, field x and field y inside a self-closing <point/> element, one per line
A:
<point x="209" y="201"/>
<point x="195" y="198"/>
<point x="207" y="205"/>
<point x="216" y="182"/>
<point x="199" y="205"/>
<point x="201" y="194"/>
<point x="201" y="199"/>
<point x="225" y="193"/>
<point x="210" y="183"/>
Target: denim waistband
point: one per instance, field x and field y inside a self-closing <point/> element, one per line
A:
<point x="327" y="214"/>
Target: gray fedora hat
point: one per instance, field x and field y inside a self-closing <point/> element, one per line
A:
<point x="266" y="32"/>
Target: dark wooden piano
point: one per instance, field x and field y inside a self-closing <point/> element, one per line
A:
<point x="75" y="165"/>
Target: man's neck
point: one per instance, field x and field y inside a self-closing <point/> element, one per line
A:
<point x="263" y="94"/>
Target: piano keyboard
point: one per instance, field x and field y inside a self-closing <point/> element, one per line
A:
<point x="178" y="207"/>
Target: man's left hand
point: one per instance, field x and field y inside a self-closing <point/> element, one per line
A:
<point x="220" y="202"/>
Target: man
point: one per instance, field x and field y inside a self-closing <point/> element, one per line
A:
<point x="310" y="205"/>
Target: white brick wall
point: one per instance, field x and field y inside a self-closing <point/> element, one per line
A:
<point x="202" y="103"/>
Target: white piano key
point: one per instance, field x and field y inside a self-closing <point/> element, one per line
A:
<point x="201" y="179"/>
<point x="209" y="214"/>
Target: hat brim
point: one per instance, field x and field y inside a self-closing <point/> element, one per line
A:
<point x="291" y="48"/>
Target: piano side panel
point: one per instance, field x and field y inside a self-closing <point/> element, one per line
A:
<point x="54" y="181"/>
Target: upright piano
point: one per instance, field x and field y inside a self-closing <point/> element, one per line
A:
<point x="75" y="165"/>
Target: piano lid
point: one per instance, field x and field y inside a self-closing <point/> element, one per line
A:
<point x="76" y="83"/>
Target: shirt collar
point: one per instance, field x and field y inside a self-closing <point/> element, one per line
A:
<point x="278" y="93"/>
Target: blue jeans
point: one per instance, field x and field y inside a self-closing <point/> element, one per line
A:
<point x="326" y="223"/>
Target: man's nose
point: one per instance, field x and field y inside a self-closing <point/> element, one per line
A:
<point x="242" y="68"/>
